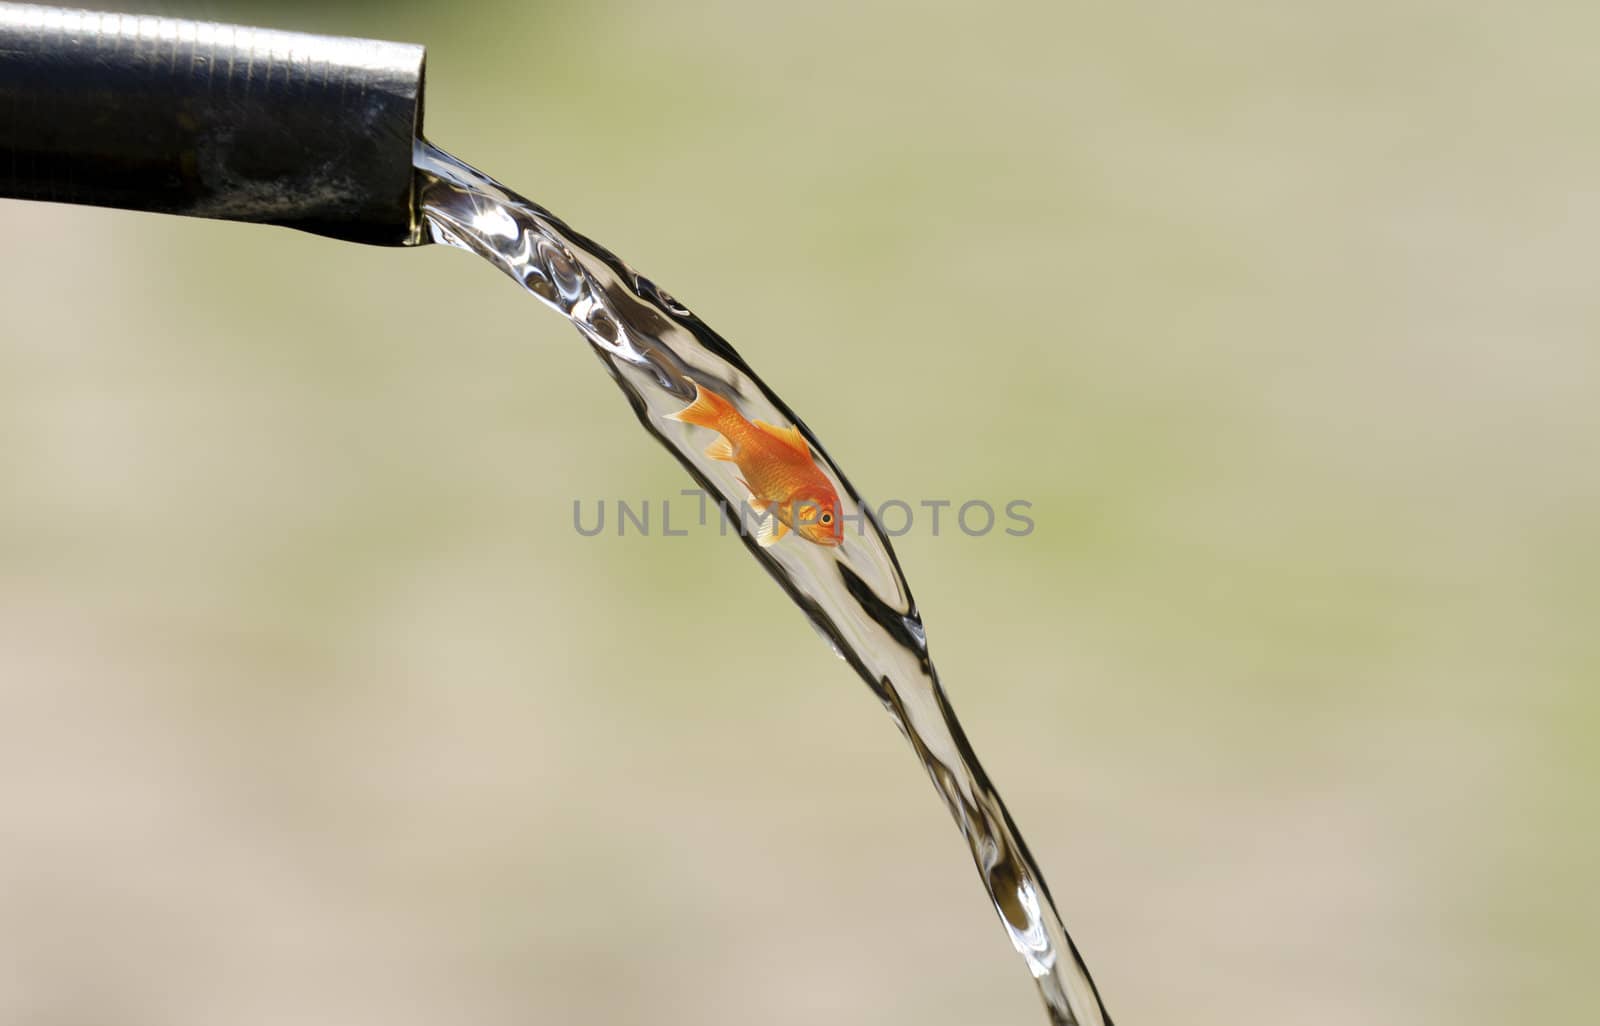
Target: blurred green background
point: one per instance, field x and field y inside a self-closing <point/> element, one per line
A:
<point x="314" y="709"/>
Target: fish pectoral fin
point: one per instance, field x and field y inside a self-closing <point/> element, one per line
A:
<point x="721" y="449"/>
<point x="768" y="532"/>
<point x="769" y="529"/>
<point x="789" y="436"/>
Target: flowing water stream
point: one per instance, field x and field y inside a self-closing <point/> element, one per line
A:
<point x="854" y="593"/>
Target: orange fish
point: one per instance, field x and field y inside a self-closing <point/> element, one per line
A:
<point x="778" y="468"/>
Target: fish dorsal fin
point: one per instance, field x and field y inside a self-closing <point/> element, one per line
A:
<point x="789" y="436"/>
<point x="721" y="449"/>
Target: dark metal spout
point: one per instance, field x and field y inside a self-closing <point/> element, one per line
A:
<point x="186" y="117"/>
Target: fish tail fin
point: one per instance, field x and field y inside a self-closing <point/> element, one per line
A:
<point x="708" y="410"/>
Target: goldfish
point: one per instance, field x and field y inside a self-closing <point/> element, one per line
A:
<point x="780" y="474"/>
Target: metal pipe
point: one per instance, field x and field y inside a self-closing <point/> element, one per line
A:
<point x="186" y="117"/>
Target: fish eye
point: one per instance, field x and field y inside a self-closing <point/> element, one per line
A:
<point x="827" y="518"/>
